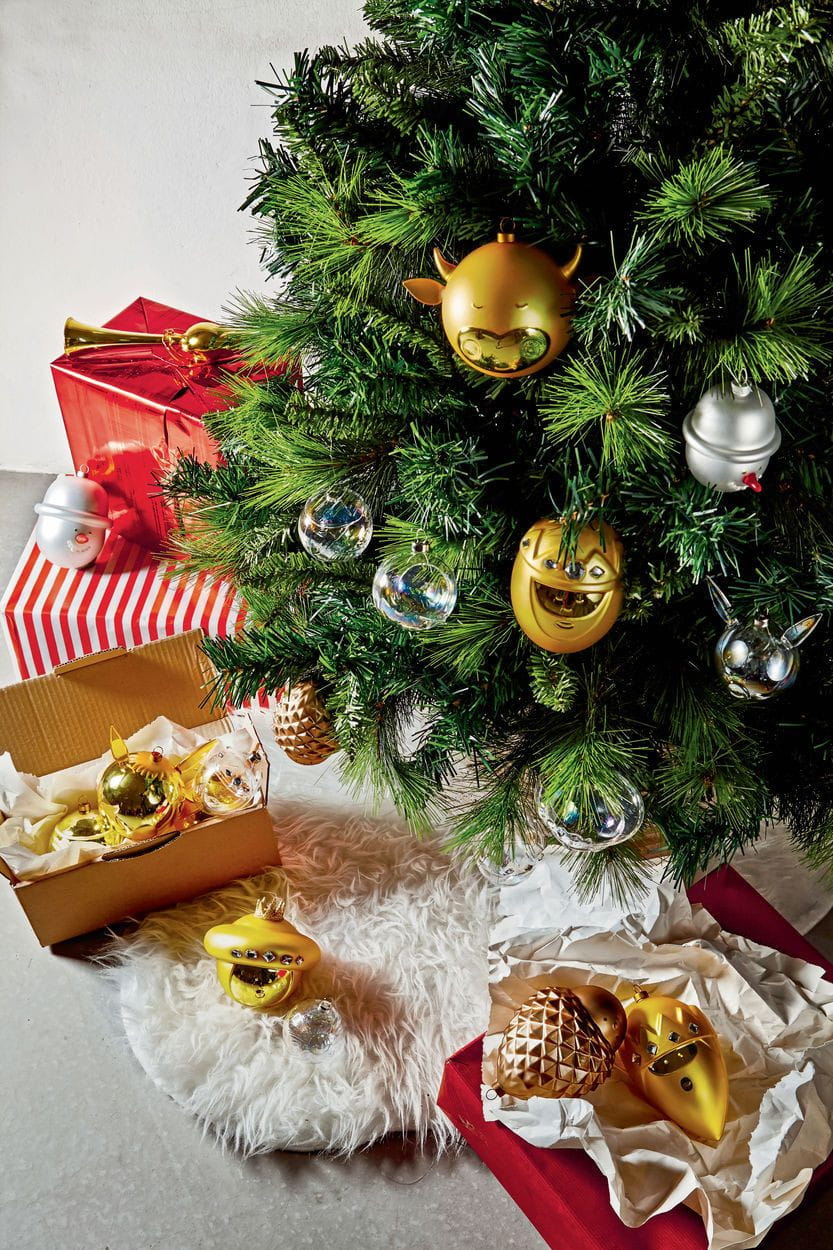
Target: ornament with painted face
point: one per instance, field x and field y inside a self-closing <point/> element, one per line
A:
<point x="506" y="307"/>
<point x="261" y="957"/>
<point x="672" y="1057"/>
<point x="566" y="600"/>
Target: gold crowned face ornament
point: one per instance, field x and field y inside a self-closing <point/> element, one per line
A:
<point x="261" y="957"/>
<point x="567" y="602"/>
<point x="673" y="1059"/>
<point x="506" y="306"/>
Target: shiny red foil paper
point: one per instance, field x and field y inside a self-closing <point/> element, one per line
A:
<point x="130" y="411"/>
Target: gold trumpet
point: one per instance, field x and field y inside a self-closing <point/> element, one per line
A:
<point x="200" y="340"/>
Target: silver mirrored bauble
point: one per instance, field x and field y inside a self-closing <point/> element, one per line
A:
<point x="413" y="592"/>
<point x="517" y="862"/>
<point x="750" y="659"/>
<point x="604" y="821"/>
<point x="314" y="1026"/>
<point x="72" y="521"/>
<point x="335" y="524"/>
<point x="730" y="435"/>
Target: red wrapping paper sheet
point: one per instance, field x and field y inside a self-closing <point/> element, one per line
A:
<point x="129" y="411"/>
<point x="561" y="1191"/>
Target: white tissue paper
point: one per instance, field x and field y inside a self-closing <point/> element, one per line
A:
<point x="32" y="806"/>
<point x="774" y="1017"/>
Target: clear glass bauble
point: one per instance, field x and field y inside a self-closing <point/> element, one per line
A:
<point x="227" y="783"/>
<point x="753" y="663"/>
<point x="604" y="822"/>
<point x="517" y="862"/>
<point x="314" y="1026"/>
<point x="414" y="592"/>
<point x="335" y="524"/>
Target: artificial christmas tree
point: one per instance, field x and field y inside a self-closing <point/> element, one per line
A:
<point x="683" y="146"/>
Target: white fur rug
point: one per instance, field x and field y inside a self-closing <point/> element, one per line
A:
<point x="404" y="936"/>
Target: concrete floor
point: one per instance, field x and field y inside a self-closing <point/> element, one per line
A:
<point x="94" y="1157"/>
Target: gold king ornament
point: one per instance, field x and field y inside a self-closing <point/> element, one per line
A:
<point x="672" y="1057"/>
<point x="260" y="956"/>
<point x="506" y="307"/>
<point x="567" y="600"/>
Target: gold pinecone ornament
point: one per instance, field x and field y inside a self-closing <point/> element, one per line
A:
<point x="560" y="1043"/>
<point x="302" y="725"/>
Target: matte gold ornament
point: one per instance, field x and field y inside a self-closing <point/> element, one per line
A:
<point x="303" y="729"/>
<point x="567" y="602"/>
<point x="141" y="792"/>
<point x="261" y="957"/>
<point x="561" y="1043"/>
<point x="673" y="1059"/>
<point x="84" y="824"/>
<point x="506" y="307"/>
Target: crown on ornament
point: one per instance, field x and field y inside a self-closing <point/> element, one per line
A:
<point x="270" y="907"/>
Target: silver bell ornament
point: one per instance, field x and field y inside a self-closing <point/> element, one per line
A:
<point x="72" y="521"/>
<point x="752" y="662"/>
<point x="730" y="435"/>
<point x="314" y="1026"/>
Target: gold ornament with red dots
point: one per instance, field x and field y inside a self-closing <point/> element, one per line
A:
<point x="506" y="307"/>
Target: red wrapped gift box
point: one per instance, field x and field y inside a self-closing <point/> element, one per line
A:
<point x="129" y="411"/>
<point x="51" y="615"/>
<point x="561" y="1191"/>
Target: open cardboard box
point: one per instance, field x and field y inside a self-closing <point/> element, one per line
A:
<point x="64" y="719"/>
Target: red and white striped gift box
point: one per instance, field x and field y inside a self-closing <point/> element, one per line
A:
<point x="51" y="615"/>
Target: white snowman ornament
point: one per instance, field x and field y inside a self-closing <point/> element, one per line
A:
<point x="72" y="521"/>
<point x="730" y="435"/>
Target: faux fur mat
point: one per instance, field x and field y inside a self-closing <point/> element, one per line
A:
<point x="403" y="934"/>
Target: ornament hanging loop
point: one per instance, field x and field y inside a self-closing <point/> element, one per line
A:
<point x="506" y="230"/>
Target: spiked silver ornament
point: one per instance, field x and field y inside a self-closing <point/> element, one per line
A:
<point x="730" y="434"/>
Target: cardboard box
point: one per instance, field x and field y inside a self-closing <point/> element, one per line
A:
<point x="52" y="615"/>
<point x="62" y="719"/>
<point x="129" y="411"/>
<point x="561" y="1191"/>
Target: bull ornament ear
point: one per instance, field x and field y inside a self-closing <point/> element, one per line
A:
<point x="426" y="290"/>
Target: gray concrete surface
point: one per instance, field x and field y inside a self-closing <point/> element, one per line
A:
<point x="94" y="1157"/>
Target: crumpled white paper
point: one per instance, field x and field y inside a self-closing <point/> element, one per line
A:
<point x="32" y="806"/>
<point x="774" y="1017"/>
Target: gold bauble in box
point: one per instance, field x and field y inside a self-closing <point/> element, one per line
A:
<point x="302" y="725"/>
<point x="506" y="307"/>
<point x="261" y="957"/>
<point x="84" y="824"/>
<point x="672" y="1057"/>
<point x="141" y="792"/>
<point x="566" y="601"/>
<point x="561" y="1043"/>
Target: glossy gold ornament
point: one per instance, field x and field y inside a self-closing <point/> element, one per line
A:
<point x="141" y="793"/>
<point x="261" y="957"/>
<point x="672" y="1057"/>
<point x="567" y="602"/>
<point x="506" y="307"/>
<point x="302" y="725"/>
<point x="561" y="1043"/>
<point x="199" y="341"/>
<point x="84" y="824"/>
